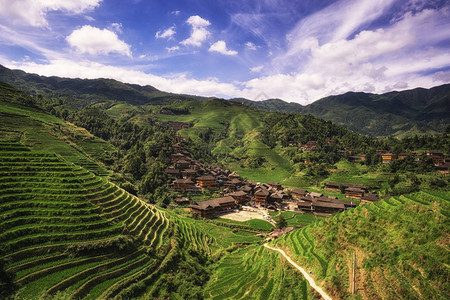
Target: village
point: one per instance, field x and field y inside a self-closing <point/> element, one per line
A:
<point x="191" y="177"/>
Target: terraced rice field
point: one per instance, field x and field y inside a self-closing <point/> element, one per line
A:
<point x="256" y="273"/>
<point x="401" y="247"/>
<point x="64" y="229"/>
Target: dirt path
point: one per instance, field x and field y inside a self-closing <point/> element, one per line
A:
<point x="304" y="273"/>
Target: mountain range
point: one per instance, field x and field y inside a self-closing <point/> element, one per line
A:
<point x="405" y="113"/>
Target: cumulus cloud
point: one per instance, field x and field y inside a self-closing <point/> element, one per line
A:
<point x="96" y="41"/>
<point x="34" y="12"/>
<point x="168" y="33"/>
<point x="326" y="56"/>
<point x="221" y="47"/>
<point x="199" y="31"/>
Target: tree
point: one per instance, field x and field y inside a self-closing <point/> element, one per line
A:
<point x="281" y="221"/>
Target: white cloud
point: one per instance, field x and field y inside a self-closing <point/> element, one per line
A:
<point x="168" y="33"/>
<point x="221" y="47"/>
<point x="256" y="69"/>
<point x="175" y="12"/>
<point x="199" y="33"/>
<point x="250" y="46"/>
<point x="95" y="41"/>
<point x="34" y="12"/>
<point x="172" y="49"/>
<point x="326" y="57"/>
<point x="116" y="27"/>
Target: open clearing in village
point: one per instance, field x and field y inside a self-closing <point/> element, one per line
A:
<point x="243" y="216"/>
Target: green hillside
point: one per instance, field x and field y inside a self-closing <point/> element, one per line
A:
<point x="400" y="114"/>
<point x="64" y="229"/>
<point x="233" y="133"/>
<point x="256" y="273"/>
<point x="401" y="247"/>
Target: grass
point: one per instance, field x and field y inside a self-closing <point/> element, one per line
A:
<point x="252" y="224"/>
<point x="255" y="273"/>
<point x="44" y="132"/>
<point x="407" y="233"/>
<point x="29" y="227"/>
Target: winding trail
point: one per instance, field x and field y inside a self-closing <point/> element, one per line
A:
<point x="304" y="273"/>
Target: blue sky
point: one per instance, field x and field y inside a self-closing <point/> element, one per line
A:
<point x="298" y="51"/>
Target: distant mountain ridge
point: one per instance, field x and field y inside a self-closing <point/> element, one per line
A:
<point x="395" y="113"/>
<point x="410" y="112"/>
<point x="85" y="91"/>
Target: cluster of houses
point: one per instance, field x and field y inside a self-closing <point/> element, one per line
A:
<point x="441" y="163"/>
<point x="190" y="175"/>
<point x="318" y="203"/>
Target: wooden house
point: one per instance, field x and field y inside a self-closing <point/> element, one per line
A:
<point x="327" y="207"/>
<point x="380" y="152"/>
<point x="276" y="197"/>
<point x="189" y="173"/>
<point x="184" y="185"/>
<point x="305" y="206"/>
<point x="176" y="157"/>
<point x="274" y="185"/>
<point x="183" y="164"/>
<point x="246" y="188"/>
<point x="239" y="196"/>
<point x="388" y="157"/>
<point x="437" y="157"/>
<point x="354" y="192"/>
<point x="307" y="199"/>
<point x="261" y="196"/>
<point x="333" y="186"/>
<point x="369" y="198"/>
<point x="298" y="193"/>
<point x="173" y="172"/>
<point x="213" y="207"/>
<point x="207" y="182"/>
<point x="234" y="175"/>
<point x="233" y="184"/>
<point x="315" y="195"/>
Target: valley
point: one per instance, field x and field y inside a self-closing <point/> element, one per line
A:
<point x="101" y="198"/>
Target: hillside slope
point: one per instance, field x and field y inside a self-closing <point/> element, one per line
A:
<point x="401" y="246"/>
<point x="404" y="113"/>
<point x="82" y="92"/>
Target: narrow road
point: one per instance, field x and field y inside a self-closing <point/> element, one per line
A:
<point x="305" y="274"/>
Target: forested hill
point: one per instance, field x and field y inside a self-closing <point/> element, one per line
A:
<point x="392" y="114"/>
<point x="82" y="92"/>
<point x="406" y="113"/>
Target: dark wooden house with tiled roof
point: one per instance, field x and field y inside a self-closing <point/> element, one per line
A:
<point x="207" y="182"/>
<point x="298" y="193"/>
<point x="239" y="196"/>
<point x="369" y="198"/>
<point x="213" y="207"/>
<point x="261" y="196"/>
<point x="184" y="185"/>
<point x="354" y="192"/>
